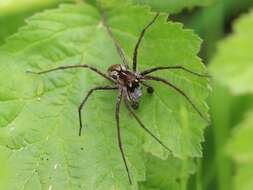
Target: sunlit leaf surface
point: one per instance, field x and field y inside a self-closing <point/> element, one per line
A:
<point x="39" y="120"/>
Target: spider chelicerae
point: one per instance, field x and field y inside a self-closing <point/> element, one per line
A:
<point x="129" y="83"/>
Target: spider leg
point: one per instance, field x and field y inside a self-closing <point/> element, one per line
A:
<point x="177" y="67"/>
<point x="117" y="110"/>
<point x="119" y="49"/>
<point x="135" y="56"/>
<point x="142" y="125"/>
<point x="85" y="100"/>
<point x="72" y="67"/>
<point x="179" y="91"/>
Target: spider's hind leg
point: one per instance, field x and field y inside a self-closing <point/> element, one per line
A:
<point x="142" y="125"/>
<point x="117" y="117"/>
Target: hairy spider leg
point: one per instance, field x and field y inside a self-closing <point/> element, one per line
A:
<point x="135" y="55"/>
<point x="141" y="124"/>
<point x="72" y="67"/>
<point x="179" y="91"/>
<point x="119" y="49"/>
<point x="117" y="110"/>
<point x="177" y="67"/>
<point x="85" y="100"/>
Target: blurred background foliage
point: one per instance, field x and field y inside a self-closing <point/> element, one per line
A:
<point x="14" y="12"/>
<point x="228" y="156"/>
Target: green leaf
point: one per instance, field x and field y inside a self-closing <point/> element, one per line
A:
<point x="17" y="11"/>
<point x="5" y="170"/>
<point x="171" y="6"/>
<point x="167" y="174"/>
<point x="232" y="65"/>
<point x="14" y="6"/>
<point x="240" y="149"/>
<point x="167" y="6"/>
<point x="39" y="123"/>
<point x="239" y="146"/>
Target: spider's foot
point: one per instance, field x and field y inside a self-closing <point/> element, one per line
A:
<point x="150" y="90"/>
<point x="32" y="72"/>
<point x="135" y="105"/>
<point x="80" y="131"/>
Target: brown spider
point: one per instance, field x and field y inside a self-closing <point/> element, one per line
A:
<point x="129" y="84"/>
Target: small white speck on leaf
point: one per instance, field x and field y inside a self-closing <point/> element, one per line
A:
<point x="50" y="187"/>
<point x="55" y="166"/>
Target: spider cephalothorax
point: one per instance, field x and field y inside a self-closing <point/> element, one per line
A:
<point x="128" y="81"/>
<point x="129" y="85"/>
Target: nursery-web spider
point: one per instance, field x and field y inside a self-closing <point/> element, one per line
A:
<point x="129" y="84"/>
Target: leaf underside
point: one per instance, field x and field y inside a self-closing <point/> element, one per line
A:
<point x="39" y="120"/>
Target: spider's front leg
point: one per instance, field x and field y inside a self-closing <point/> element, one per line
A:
<point x="85" y="100"/>
<point x="91" y="68"/>
<point x="135" y="54"/>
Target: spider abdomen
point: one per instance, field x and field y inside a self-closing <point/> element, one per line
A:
<point x="136" y="94"/>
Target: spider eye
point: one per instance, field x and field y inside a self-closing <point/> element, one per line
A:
<point x="114" y="75"/>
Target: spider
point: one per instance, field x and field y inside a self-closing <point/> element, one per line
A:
<point x="129" y="83"/>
